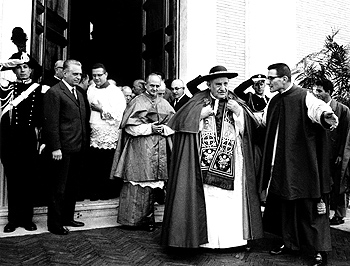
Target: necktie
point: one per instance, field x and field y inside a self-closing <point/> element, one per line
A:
<point x="74" y="93"/>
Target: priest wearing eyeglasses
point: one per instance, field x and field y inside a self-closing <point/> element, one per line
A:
<point x="295" y="166"/>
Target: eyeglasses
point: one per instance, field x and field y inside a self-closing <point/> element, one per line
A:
<point x="270" y="78"/>
<point x="176" y="88"/>
<point x="97" y="75"/>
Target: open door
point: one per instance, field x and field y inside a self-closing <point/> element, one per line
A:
<point x="159" y="31"/>
<point x="49" y="32"/>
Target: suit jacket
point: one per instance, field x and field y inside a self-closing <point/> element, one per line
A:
<point x="50" y="81"/>
<point x="182" y="101"/>
<point x="338" y="136"/>
<point x="64" y="119"/>
<point x="338" y="145"/>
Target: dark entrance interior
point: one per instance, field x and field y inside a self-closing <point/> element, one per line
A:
<point x="132" y="38"/>
<point x="116" y="37"/>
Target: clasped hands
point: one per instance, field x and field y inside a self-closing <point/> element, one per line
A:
<point x="157" y="128"/>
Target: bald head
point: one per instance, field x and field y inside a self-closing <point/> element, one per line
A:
<point x="178" y="88"/>
<point x="59" y="69"/>
<point x="127" y="93"/>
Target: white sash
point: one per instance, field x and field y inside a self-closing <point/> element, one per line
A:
<point x="20" y="98"/>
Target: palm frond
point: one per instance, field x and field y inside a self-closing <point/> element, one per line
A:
<point x="331" y="62"/>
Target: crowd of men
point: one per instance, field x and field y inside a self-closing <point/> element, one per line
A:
<point x="218" y="155"/>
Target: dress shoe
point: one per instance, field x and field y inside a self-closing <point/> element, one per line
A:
<point x="59" y="231"/>
<point x="336" y="220"/>
<point x="30" y="226"/>
<point x="10" y="227"/>
<point x="278" y="250"/>
<point x="319" y="259"/>
<point x="74" y="223"/>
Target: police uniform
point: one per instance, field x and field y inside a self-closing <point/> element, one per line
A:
<point x="19" y="150"/>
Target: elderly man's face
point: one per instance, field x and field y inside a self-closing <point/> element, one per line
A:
<point x="161" y="92"/>
<point x="22" y="72"/>
<point x="177" y="87"/>
<point x="127" y="93"/>
<point x="72" y="74"/>
<point x="59" y="69"/>
<point x="219" y="87"/>
<point x="153" y="85"/>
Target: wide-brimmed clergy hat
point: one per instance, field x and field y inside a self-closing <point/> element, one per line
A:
<point x="218" y="72"/>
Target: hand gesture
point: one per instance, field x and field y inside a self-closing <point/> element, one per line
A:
<point x="234" y="107"/>
<point x="156" y="128"/>
<point x="331" y="119"/>
<point x="206" y="111"/>
<point x="96" y="106"/>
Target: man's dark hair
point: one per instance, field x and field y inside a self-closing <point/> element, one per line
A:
<point x="99" y="65"/>
<point x="282" y="70"/>
<point x="326" y="84"/>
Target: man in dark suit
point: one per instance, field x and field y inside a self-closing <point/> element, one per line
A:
<point x="180" y="98"/>
<point x="337" y="138"/>
<point x="53" y="80"/>
<point x="66" y="137"/>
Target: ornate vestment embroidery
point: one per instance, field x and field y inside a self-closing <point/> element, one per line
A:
<point x="217" y="155"/>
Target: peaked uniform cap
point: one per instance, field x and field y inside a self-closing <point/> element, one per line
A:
<point x="259" y="76"/>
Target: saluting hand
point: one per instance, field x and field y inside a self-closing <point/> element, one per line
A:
<point x="156" y="128"/>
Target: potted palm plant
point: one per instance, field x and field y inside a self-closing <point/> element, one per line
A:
<point x="333" y="63"/>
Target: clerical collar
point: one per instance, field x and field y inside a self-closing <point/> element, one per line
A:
<point x="289" y="87"/>
<point x="149" y="95"/>
<point x="104" y="85"/>
<point x="26" y="81"/>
